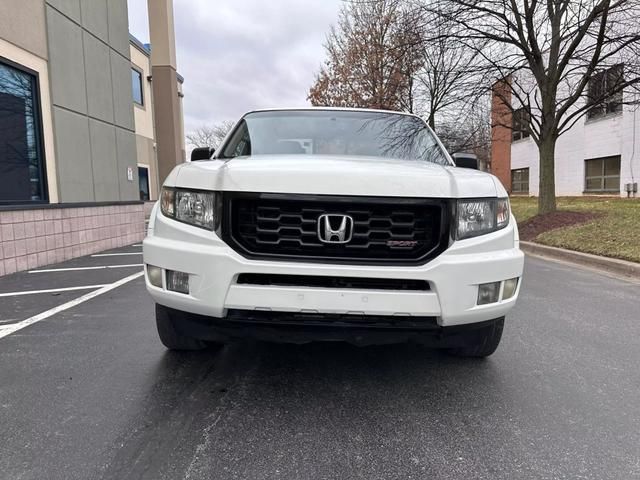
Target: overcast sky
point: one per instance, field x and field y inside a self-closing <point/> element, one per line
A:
<point x="237" y="55"/>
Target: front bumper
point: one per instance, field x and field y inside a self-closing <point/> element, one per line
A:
<point x="304" y="328"/>
<point x="213" y="269"/>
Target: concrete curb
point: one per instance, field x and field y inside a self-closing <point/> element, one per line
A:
<point x="610" y="265"/>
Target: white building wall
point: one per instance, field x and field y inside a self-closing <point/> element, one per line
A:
<point x="588" y="138"/>
<point x="630" y="164"/>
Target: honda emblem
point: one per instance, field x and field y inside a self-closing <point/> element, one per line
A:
<point x="335" y="228"/>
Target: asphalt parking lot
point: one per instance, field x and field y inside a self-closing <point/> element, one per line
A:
<point x="88" y="392"/>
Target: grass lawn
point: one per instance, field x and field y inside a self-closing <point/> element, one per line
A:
<point x="615" y="233"/>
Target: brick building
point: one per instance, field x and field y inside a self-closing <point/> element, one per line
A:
<point x="600" y="154"/>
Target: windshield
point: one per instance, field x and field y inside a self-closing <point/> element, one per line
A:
<point x="329" y="132"/>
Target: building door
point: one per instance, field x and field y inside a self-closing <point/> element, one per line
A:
<point x="143" y="178"/>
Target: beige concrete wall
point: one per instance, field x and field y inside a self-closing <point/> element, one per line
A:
<point x="167" y="109"/>
<point x="22" y="23"/>
<point x="143" y="114"/>
<point x="167" y="120"/>
<point x="144" y="121"/>
<point x="40" y="66"/>
<point x="161" y="30"/>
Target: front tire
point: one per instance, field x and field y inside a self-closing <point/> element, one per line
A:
<point x="481" y="343"/>
<point x="166" y="319"/>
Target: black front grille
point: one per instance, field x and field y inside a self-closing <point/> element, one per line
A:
<point x="385" y="230"/>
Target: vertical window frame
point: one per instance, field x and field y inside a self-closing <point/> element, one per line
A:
<point x="518" y="129"/>
<point x="140" y="73"/>
<point x="520" y="182"/>
<point x="602" y="177"/>
<point x="39" y="134"/>
<point x="602" y="108"/>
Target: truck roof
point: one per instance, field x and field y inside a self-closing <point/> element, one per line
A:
<point x="337" y="109"/>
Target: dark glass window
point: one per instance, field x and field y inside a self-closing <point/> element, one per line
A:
<point x="520" y="180"/>
<point x="602" y="174"/>
<point x="21" y="157"/>
<point x="136" y="79"/>
<point x="143" y="179"/>
<point x="334" y="133"/>
<point x="604" y="94"/>
<point x="520" y="124"/>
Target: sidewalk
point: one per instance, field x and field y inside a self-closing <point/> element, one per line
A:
<point x="612" y="266"/>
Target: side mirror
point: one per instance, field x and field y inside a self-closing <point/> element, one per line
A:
<point x="466" y="160"/>
<point x="201" y="153"/>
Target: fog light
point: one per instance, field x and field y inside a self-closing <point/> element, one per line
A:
<point x="488" y="293"/>
<point x="155" y="276"/>
<point x="178" y="281"/>
<point x="510" y="287"/>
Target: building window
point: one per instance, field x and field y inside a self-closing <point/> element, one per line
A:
<point x="602" y="174"/>
<point x="136" y="79"/>
<point x="520" y="180"/>
<point x="143" y="179"/>
<point x="603" y="94"/>
<point x="21" y="152"/>
<point x="520" y="124"/>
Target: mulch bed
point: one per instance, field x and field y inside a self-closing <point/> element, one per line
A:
<point x="533" y="227"/>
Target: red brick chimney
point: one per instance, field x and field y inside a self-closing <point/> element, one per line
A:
<point x="501" y="132"/>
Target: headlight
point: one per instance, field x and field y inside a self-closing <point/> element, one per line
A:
<point x="197" y="208"/>
<point x="481" y="216"/>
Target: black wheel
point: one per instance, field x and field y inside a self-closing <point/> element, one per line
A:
<point x="482" y="342"/>
<point x="166" y="318"/>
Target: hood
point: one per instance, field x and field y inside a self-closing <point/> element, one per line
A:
<point x="335" y="175"/>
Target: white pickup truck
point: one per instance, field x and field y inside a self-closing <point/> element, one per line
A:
<point x="323" y="224"/>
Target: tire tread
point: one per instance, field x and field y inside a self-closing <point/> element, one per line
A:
<point x="169" y="336"/>
<point x="490" y="339"/>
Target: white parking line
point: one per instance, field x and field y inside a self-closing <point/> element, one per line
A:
<point x="137" y="245"/>
<point x="115" y="254"/>
<point x="52" y="290"/>
<point x="9" y="329"/>
<point x="73" y="269"/>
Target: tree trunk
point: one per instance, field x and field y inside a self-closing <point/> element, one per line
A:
<point x="547" y="185"/>
<point x="431" y="120"/>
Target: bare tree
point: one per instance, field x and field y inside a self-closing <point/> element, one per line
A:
<point x="209" y="135"/>
<point x="372" y="57"/>
<point x="397" y="54"/>
<point x="469" y="130"/>
<point x="555" y="61"/>
<point x="449" y="80"/>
